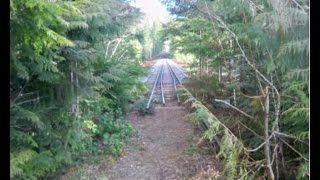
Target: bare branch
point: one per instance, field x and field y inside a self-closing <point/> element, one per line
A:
<point x="296" y="3"/>
<point x="259" y="136"/>
<point x="261" y="145"/>
<point x="252" y="3"/>
<point x="296" y="151"/>
<point x="289" y="136"/>
<point x="266" y="134"/>
<point x="116" y="47"/>
<point x="27" y="101"/>
<point x="225" y="102"/>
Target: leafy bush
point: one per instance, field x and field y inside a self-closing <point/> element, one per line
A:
<point x="141" y="107"/>
<point x="101" y="122"/>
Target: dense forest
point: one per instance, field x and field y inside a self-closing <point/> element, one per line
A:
<point x="252" y="57"/>
<point x="75" y="67"/>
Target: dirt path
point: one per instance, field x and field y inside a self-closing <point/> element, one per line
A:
<point x="165" y="146"/>
<point x="159" y="149"/>
<point x="156" y="149"/>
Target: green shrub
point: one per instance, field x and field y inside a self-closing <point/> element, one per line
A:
<point x="141" y="107"/>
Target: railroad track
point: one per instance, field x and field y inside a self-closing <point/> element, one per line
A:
<point x="167" y="79"/>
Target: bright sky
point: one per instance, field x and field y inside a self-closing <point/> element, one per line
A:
<point x="153" y="9"/>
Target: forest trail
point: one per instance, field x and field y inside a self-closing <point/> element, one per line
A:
<point x="164" y="146"/>
<point x="159" y="149"/>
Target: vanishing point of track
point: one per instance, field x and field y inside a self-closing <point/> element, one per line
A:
<point x="158" y="84"/>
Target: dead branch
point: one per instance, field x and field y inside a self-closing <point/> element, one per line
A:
<point x="296" y="151"/>
<point x="261" y="145"/>
<point x="116" y="47"/>
<point x="242" y="112"/>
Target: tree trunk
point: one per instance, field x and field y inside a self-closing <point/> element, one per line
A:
<point x="234" y="98"/>
<point x="200" y="60"/>
<point x="71" y="87"/>
<point x="77" y="102"/>
<point x="242" y="75"/>
<point x="230" y="70"/>
<point x="220" y="73"/>
<point x="266" y="136"/>
<point x="207" y="67"/>
<point x="74" y="90"/>
<point x="59" y="95"/>
<point x="278" y="153"/>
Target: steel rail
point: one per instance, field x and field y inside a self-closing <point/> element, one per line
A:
<point x="154" y="85"/>
<point x="183" y="73"/>
<point x="174" y="73"/>
<point x="173" y="76"/>
<point x="161" y="85"/>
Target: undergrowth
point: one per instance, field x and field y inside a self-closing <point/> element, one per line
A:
<point x="231" y="148"/>
<point x="100" y="129"/>
<point x="190" y="150"/>
<point x="141" y="107"/>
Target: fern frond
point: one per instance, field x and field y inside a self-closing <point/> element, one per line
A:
<point x="296" y="112"/>
<point x="18" y="159"/>
<point x="303" y="170"/>
<point x="110" y="77"/>
<point x="81" y="44"/>
<point x="295" y="47"/>
<point x="22" y="71"/>
<point x="19" y="113"/>
<point x="61" y="40"/>
<point x="118" y="71"/>
<point x="302" y="74"/>
<point x="22" y="137"/>
<point x="77" y="25"/>
<point x="230" y="146"/>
